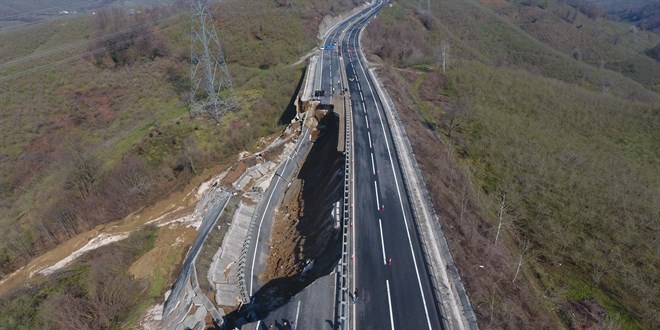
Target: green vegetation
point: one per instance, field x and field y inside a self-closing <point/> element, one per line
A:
<point x="98" y="292"/>
<point x="116" y="122"/>
<point x="100" y="126"/>
<point x="559" y="144"/>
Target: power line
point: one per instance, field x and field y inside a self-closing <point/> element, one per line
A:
<point x="208" y="67"/>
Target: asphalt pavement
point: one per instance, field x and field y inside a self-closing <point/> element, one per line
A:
<point x="395" y="290"/>
<point x="388" y="268"/>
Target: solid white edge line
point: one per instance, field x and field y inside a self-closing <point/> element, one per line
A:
<point x="389" y="301"/>
<point x="382" y="241"/>
<point x="256" y="243"/>
<point x="412" y="251"/>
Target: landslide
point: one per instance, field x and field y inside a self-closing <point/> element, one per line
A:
<point x="304" y="225"/>
<point x="303" y="232"/>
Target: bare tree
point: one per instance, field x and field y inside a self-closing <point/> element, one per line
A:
<point x="501" y="215"/>
<point x="522" y="257"/>
<point x="190" y="150"/>
<point x="84" y="172"/>
<point x="444" y="51"/>
<point x="63" y="217"/>
<point x="20" y="243"/>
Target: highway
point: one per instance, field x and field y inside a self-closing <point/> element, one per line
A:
<point x="312" y="308"/>
<point x="388" y="266"/>
<point x="397" y="295"/>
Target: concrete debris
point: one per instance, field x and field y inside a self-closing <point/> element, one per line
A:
<point x="222" y="273"/>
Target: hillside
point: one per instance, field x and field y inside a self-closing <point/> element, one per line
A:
<point x="540" y="150"/>
<point x="95" y="126"/>
<point x="645" y="14"/>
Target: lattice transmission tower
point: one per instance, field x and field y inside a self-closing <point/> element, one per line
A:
<point x="212" y="92"/>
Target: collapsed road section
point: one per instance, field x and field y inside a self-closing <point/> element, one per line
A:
<point x="294" y="237"/>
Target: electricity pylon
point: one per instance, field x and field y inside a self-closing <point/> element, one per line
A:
<point x="212" y="92"/>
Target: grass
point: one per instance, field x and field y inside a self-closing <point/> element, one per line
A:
<point x="118" y="115"/>
<point x="111" y="112"/>
<point x="572" y="146"/>
<point x="577" y="183"/>
<point x="45" y="303"/>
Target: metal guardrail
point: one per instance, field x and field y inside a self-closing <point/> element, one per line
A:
<point x="188" y="267"/>
<point x="342" y="310"/>
<point x="296" y="158"/>
<point x="393" y="119"/>
<point x="245" y="296"/>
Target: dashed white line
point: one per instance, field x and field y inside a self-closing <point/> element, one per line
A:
<point x="366" y="121"/>
<point x="297" y="313"/>
<point x="373" y="165"/>
<point x="377" y="201"/>
<point x="371" y="145"/>
<point x="389" y="301"/>
<point x="382" y="242"/>
<point x="396" y="183"/>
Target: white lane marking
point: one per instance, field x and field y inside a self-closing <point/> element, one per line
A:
<point x="377" y="201"/>
<point x="366" y="121"/>
<point x="371" y="145"/>
<point x="398" y="191"/>
<point x="297" y="313"/>
<point x="382" y="242"/>
<point x="256" y="244"/>
<point x="389" y="301"/>
<point x="354" y="243"/>
<point x="364" y="109"/>
<point x="373" y="165"/>
<point x="361" y="96"/>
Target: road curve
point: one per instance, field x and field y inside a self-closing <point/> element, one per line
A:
<point x="389" y="270"/>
